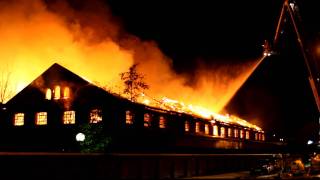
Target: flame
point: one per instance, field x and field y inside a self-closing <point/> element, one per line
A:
<point x="174" y="105"/>
<point x="87" y="40"/>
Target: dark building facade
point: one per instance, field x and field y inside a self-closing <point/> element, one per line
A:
<point x="48" y="114"/>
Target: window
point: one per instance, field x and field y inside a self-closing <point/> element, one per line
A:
<point x="197" y="127"/>
<point x="215" y="130"/>
<point x="146" y="120"/>
<point x="263" y="137"/>
<point x="241" y="134"/>
<point x="229" y="132"/>
<point x="260" y="136"/>
<point x="129" y="117"/>
<point x="48" y="94"/>
<point x="57" y="92"/>
<point x="66" y="93"/>
<point x="69" y="117"/>
<point x="41" y="118"/>
<point x="186" y="126"/>
<point x="206" y="128"/>
<point x="95" y="116"/>
<point x="256" y="136"/>
<point x="236" y="133"/>
<point x="223" y="132"/>
<point x="247" y="135"/>
<point x="19" y="119"/>
<point x="162" y="122"/>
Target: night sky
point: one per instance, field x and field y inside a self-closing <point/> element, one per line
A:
<point x="233" y="31"/>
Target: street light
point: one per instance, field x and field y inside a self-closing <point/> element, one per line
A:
<point x="310" y="142"/>
<point x="80" y="137"/>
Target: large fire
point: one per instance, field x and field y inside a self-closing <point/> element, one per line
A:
<point x="174" y="105"/>
<point x="87" y="40"/>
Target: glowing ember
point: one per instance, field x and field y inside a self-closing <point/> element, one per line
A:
<point x="174" y="105"/>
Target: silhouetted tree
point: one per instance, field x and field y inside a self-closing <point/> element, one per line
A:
<point x="5" y="91"/>
<point x="95" y="140"/>
<point x="134" y="82"/>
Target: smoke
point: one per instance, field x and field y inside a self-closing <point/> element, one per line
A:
<point x="84" y="37"/>
<point x="34" y="36"/>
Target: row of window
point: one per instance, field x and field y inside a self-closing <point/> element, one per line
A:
<point x="224" y="131"/>
<point x="69" y="117"/>
<point x="146" y="119"/>
<point x="95" y="116"/>
<point x="56" y="93"/>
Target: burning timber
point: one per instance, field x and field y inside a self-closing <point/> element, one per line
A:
<point x="49" y="114"/>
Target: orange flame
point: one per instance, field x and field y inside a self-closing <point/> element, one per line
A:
<point x="174" y="105"/>
<point x="35" y="34"/>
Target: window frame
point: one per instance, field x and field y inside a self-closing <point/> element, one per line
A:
<point x="222" y="131"/>
<point x="197" y="127"/>
<point x="129" y="117"/>
<point x="215" y="130"/>
<point x="186" y="126"/>
<point x="66" y="92"/>
<point x="69" y="117"/>
<point x="236" y="132"/>
<point x="147" y="119"/>
<point x="247" y="135"/>
<point x="48" y="94"/>
<point x="57" y="93"/>
<point x="162" y="122"/>
<point x="17" y="119"/>
<point x="95" y="116"/>
<point x="41" y="118"/>
<point x="242" y="134"/>
<point x="206" y="129"/>
<point x="229" y="132"/>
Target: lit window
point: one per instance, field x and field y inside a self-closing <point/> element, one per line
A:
<point x="66" y="93"/>
<point x="206" y="128"/>
<point x="260" y="137"/>
<point x="229" y="132"/>
<point x="129" y="117"/>
<point x="247" y="135"/>
<point x="41" y="118"/>
<point x="162" y="122"/>
<point x="69" y="117"/>
<point x="236" y="133"/>
<point x="19" y="119"/>
<point x="95" y="116"/>
<point x="146" y="120"/>
<point x="241" y="134"/>
<point x="197" y="127"/>
<point x="57" y="92"/>
<point x="263" y="137"/>
<point x="215" y="130"/>
<point x="223" y="132"/>
<point x="48" y="94"/>
<point x="256" y="136"/>
<point x="186" y="126"/>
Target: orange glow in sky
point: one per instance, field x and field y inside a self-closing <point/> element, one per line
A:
<point x="91" y="44"/>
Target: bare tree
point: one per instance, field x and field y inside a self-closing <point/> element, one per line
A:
<point x="5" y="91"/>
<point x="134" y="82"/>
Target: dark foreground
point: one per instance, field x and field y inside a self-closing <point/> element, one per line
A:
<point x="122" y="166"/>
<point x="246" y="175"/>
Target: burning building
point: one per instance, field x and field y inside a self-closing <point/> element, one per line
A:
<point x="48" y="113"/>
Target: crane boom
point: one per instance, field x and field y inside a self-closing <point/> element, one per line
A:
<point x="288" y="8"/>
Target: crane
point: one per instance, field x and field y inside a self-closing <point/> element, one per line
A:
<point x="289" y="8"/>
<point x="290" y="12"/>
